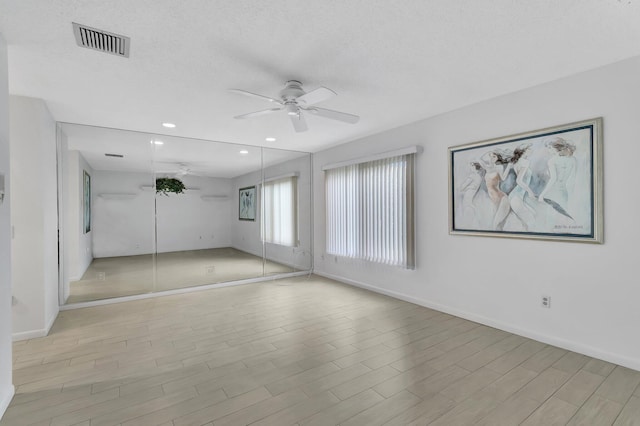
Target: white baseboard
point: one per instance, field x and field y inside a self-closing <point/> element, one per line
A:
<point x="570" y="345"/>
<point x="290" y="265"/>
<point x="51" y="321"/>
<point x="26" y="335"/>
<point x="6" y="395"/>
<point x="34" y="334"/>
<point x="272" y="259"/>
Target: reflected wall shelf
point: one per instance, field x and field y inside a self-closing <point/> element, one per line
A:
<point x="214" y="197"/>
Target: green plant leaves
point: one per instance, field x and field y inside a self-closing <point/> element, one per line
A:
<point x="167" y="185"/>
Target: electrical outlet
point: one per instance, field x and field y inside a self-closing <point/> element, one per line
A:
<point x="102" y="276"/>
<point x="209" y="270"/>
<point x="545" y="302"/>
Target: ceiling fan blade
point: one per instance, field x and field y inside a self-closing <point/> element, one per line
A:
<point x="315" y="96"/>
<point x="257" y="113"/>
<point x="298" y="121"/>
<point x="334" y="115"/>
<point x="255" y="95"/>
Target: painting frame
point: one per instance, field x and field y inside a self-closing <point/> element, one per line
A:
<point x="86" y="202"/>
<point x="247" y="203"/>
<point x="555" y="194"/>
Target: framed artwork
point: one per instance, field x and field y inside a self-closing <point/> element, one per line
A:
<point x="545" y="184"/>
<point x="86" y="201"/>
<point x="247" y="203"/>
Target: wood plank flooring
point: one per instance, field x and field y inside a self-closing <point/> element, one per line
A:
<point x="303" y="351"/>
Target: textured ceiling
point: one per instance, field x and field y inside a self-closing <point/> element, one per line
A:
<point x="390" y="61"/>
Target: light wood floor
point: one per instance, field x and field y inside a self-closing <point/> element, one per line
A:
<point x="307" y="352"/>
<point x="109" y="277"/>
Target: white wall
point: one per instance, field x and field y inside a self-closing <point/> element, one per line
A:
<point x="497" y="281"/>
<point x="6" y="388"/>
<point x="124" y="226"/>
<point x="189" y="222"/>
<point x="34" y="217"/>
<point x="246" y="234"/>
<point x="78" y="244"/>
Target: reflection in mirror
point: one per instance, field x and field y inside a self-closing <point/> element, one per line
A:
<point x="109" y="236"/>
<point x="244" y="213"/>
<point x="285" y="198"/>
<point x="195" y="229"/>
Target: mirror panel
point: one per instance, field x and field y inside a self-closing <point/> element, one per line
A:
<point x="285" y="207"/>
<point x="109" y="248"/>
<point x="195" y="229"/>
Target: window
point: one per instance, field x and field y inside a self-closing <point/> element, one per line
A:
<point x="370" y="210"/>
<point x="280" y="212"/>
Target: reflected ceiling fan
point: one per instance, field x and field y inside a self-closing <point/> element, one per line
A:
<point x="178" y="169"/>
<point x="295" y="101"/>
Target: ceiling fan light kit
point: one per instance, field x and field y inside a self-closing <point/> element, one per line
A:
<point x="295" y="101"/>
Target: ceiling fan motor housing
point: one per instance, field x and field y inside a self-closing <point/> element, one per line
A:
<point x="292" y="90"/>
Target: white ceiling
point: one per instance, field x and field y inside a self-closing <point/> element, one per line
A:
<point x="390" y="61"/>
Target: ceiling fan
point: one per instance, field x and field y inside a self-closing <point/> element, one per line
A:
<point x="295" y="101"/>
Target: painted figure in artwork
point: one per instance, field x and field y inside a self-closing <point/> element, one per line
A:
<point x="246" y="205"/>
<point x="497" y="166"/>
<point x="469" y="189"/>
<point x="562" y="171"/>
<point x="522" y="195"/>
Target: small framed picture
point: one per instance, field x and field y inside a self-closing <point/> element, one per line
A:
<point x="247" y="203"/>
<point x="545" y="184"/>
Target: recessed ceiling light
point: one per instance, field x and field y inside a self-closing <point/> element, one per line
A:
<point x="270" y="139"/>
<point x="244" y="152"/>
<point x="157" y="142"/>
<point x="169" y="125"/>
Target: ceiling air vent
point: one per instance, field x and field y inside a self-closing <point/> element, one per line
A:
<point x="104" y="41"/>
<point x="114" y="155"/>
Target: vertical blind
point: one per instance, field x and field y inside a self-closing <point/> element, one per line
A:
<point x="370" y="211"/>
<point x="280" y="212"/>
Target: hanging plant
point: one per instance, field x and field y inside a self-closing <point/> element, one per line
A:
<point x="166" y="185"/>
